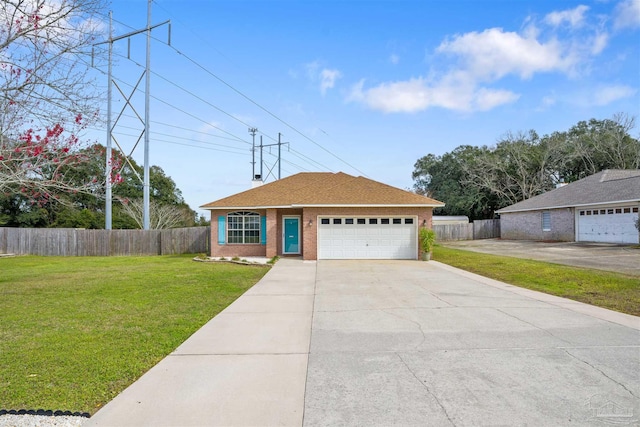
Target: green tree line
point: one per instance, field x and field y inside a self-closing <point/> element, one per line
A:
<point x="478" y="180"/>
<point x="62" y="208"/>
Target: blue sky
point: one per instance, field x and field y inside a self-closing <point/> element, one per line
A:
<point x="365" y="87"/>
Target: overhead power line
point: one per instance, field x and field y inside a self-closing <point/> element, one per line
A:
<point x="265" y="109"/>
<point x="294" y="152"/>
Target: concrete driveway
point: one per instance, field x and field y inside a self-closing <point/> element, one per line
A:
<point x="416" y="344"/>
<point x="602" y="256"/>
<point x="383" y="343"/>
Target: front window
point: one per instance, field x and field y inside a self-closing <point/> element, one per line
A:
<point x="546" y="221"/>
<point x="243" y="227"/>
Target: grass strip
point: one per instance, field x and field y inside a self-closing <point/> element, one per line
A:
<point x="74" y="332"/>
<point x="601" y="288"/>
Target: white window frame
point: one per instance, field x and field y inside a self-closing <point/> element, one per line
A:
<point x="240" y="227"/>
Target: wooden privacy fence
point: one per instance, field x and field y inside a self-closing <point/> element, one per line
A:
<point x="448" y="232"/>
<point x="486" y="229"/>
<point x="74" y="242"/>
<point x="480" y="229"/>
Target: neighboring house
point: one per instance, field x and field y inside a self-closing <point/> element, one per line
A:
<point x="599" y="208"/>
<point x="320" y="216"/>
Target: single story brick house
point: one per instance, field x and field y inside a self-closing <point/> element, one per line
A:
<point x="599" y="208"/>
<point x="320" y="215"/>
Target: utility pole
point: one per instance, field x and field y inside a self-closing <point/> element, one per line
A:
<point x="110" y="126"/>
<point x="109" y="162"/>
<point x="279" y="157"/>
<point x="147" y="87"/>
<point x="279" y="144"/>
<point x="253" y="131"/>
<point x="261" y="175"/>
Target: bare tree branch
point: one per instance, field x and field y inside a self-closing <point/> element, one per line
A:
<point x="47" y="97"/>
<point x="162" y="216"/>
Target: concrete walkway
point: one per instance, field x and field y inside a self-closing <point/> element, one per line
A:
<point x="381" y="343"/>
<point x="246" y="367"/>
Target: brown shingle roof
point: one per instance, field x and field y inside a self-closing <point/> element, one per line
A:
<point x="323" y="188"/>
<point x="608" y="186"/>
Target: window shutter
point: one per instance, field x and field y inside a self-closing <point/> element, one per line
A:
<point x="222" y="231"/>
<point x="263" y="230"/>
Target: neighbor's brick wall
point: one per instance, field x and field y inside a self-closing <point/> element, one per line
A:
<point x="310" y="232"/>
<point x="528" y="225"/>
<point x="233" y="250"/>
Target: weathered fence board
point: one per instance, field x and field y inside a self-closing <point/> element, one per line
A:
<point x="448" y="232"/>
<point x="479" y="229"/>
<point x="486" y="229"/>
<point x="74" y="242"/>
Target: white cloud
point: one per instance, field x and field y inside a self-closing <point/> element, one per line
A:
<point x="407" y="96"/>
<point x="328" y="79"/>
<point x="573" y="17"/>
<point x="627" y="14"/>
<point x="417" y="94"/>
<point x="494" y="53"/>
<point x="600" y="41"/>
<point x="469" y="65"/>
<point x="487" y="99"/>
<point x="394" y="59"/>
<point x="607" y="94"/>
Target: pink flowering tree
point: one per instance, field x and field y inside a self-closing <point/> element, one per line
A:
<point x="47" y="94"/>
<point x="42" y="165"/>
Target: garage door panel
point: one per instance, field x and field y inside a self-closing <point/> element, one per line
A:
<point x="607" y="226"/>
<point x="372" y="240"/>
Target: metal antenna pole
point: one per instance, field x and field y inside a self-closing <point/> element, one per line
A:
<point x="145" y="220"/>
<point x="109" y="163"/>
<point x="253" y="131"/>
<point x="279" y="158"/>
<point x="261" y="175"/>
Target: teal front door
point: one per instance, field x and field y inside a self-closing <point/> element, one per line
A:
<point x="291" y="242"/>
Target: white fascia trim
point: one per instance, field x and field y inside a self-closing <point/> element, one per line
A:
<point x="220" y="208"/>
<point x="296" y="206"/>
<point x="369" y="206"/>
<point x="582" y="205"/>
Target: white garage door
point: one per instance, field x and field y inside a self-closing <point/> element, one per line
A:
<point x="367" y="238"/>
<point x="611" y="225"/>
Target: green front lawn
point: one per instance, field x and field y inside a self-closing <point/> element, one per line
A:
<point x="74" y="332"/>
<point x="609" y="290"/>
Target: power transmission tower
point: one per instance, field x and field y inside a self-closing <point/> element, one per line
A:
<point x="110" y="137"/>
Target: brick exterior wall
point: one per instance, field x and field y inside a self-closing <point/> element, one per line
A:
<point x="233" y="250"/>
<point x="272" y="230"/>
<point x="528" y="225"/>
<point x="308" y="228"/>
